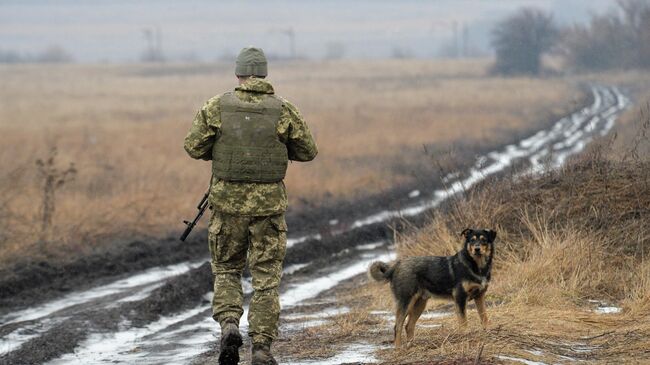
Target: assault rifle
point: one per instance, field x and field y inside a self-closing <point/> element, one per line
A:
<point x="201" y="207"/>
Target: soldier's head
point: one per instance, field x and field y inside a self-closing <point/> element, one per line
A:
<point x="250" y="62"/>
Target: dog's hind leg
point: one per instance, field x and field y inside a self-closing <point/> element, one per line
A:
<point x="400" y="316"/>
<point x="460" y="299"/>
<point x="480" y="307"/>
<point x="414" y="313"/>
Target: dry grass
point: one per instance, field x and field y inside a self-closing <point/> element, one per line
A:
<point x="567" y="241"/>
<point x="123" y="128"/>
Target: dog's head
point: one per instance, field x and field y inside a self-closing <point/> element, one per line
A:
<point x="479" y="243"/>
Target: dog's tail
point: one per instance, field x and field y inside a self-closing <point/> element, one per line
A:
<point x="380" y="271"/>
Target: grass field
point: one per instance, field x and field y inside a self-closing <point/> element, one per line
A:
<point x="123" y="128"/>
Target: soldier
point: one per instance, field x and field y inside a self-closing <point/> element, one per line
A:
<point x="250" y="135"/>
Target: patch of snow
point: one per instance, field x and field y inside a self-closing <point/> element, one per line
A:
<point x="297" y="326"/>
<point x="309" y="237"/>
<point x="414" y="194"/>
<point x="536" y="352"/>
<point x="428" y="325"/>
<point x="379" y="313"/>
<point x="433" y="315"/>
<point x="325" y="313"/>
<point x="451" y="176"/>
<point x="371" y="246"/>
<point x="298" y="293"/>
<point x="523" y="361"/>
<point x="355" y="353"/>
<point x="122" y="343"/>
<point x="293" y="268"/>
<point x="607" y="310"/>
<point x="145" y="292"/>
<point x="604" y="307"/>
<point x="15" y="339"/>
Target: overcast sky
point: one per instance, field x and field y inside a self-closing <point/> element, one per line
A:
<point x="112" y="31"/>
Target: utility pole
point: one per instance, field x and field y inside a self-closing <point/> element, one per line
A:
<point x="456" y="45"/>
<point x="292" y="41"/>
<point x="465" y="41"/>
<point x="291" y="34"/>
<point x="153" y="51"/>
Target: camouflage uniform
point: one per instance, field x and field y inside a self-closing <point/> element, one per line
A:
<point x="248" y="218"/>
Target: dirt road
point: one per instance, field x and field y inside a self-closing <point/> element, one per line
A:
<point x="162" y="315"/>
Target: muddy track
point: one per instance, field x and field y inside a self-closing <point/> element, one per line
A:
<point x="160" y="313"/>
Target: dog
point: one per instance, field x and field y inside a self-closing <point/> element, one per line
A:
<point x="461" y="277"/>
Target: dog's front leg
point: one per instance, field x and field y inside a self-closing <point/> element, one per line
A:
<point x="480" y="307"/>
<point x="460" y="299"/>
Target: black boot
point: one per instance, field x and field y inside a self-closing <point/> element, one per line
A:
<point x="262" y="355"/>
<point x="231" y="341"/>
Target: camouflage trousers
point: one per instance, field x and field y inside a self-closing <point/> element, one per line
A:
<point x="264" y="241"/>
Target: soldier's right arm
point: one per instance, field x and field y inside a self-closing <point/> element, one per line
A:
<point x="204" y="131"/>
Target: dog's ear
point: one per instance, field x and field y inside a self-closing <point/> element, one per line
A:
<point x="491" y="235"/>
<point x="465" y="232"/>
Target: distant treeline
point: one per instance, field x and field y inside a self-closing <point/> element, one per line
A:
<point x="617" y="40"/>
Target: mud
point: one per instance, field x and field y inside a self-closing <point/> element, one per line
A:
<point x="34" y="282"/>
<point x="177" y="294"/>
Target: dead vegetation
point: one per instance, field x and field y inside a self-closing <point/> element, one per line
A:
<point x="123" y="127"/>
<point x="571" y="277"/>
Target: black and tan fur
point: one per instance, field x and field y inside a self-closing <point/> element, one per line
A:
<point x="461" y="277"/>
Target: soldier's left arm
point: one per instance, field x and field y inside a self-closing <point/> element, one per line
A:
<point x="300" y="143"/>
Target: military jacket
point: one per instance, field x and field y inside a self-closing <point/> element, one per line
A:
<point x="242" y="198"/>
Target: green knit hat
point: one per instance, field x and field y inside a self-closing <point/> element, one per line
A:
<point x="251" y="62"/>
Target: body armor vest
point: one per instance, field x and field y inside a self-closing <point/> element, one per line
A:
<point x="249" y="149"/>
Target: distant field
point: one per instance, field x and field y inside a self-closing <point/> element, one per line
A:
<point x="123" y="128"/>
